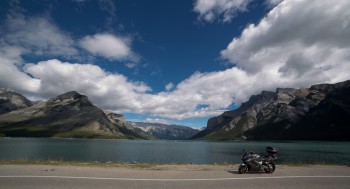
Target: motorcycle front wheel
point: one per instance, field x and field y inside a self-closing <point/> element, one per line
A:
<point x="242" y="169"/>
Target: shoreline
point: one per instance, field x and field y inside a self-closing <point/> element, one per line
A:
<point x="149" y="166"/>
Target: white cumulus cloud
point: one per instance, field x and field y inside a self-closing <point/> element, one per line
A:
<point x="35" y="36"/>
<point x="297" y="44"/>
<point x="108" y="46"/>
<point x="203" y="94"/>
<point x="111" y="91"/>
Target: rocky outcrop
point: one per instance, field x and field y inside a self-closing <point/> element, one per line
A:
<point x="317" y="113"/>
<point x="10" y="101"/>
<point x="67" y="115"/>
<point x="119" y="119"/>
<point x="166" y="132"/>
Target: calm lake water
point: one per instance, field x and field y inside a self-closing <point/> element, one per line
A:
<point x="160" y="151"/>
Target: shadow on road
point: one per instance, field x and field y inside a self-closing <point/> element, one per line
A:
<point x="233" y="171"/>
<point x="250" y="172"/>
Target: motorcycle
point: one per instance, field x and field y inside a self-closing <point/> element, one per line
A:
<point x="253" y="162"/>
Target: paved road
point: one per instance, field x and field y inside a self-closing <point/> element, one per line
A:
<point x="34" y="176"/>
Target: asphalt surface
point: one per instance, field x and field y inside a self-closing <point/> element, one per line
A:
<point x="44" y="176"/>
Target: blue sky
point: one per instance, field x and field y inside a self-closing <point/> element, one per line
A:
<point x="176" y="61"/>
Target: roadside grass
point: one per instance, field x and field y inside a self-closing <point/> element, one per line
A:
<point x="303" y="164"/>
<point x="77" y="163"/>
<point x="93" y="163"/>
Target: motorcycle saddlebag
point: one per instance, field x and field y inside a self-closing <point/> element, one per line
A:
<point x="271" y="150"/>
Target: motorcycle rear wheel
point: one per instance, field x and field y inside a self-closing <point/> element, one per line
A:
<point x="242" y="169"/>
<point x="272" y="166"/>
<point x="267" y="168"/>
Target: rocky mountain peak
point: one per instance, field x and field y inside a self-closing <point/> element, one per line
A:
<point x="70" y="97"/>
<point x="259" y="98"/>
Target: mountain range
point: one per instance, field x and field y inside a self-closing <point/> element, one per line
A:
<point x="320" y="112"/>
<point x="73" y="115"/>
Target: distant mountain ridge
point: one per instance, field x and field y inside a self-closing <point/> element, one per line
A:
<point x="320" y="112"/>
<point x="166" y="132"/>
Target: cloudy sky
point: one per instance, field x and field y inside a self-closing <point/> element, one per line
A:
<point x="174" y="61"/>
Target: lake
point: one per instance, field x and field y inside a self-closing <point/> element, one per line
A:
<point x="162" y="151"/>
